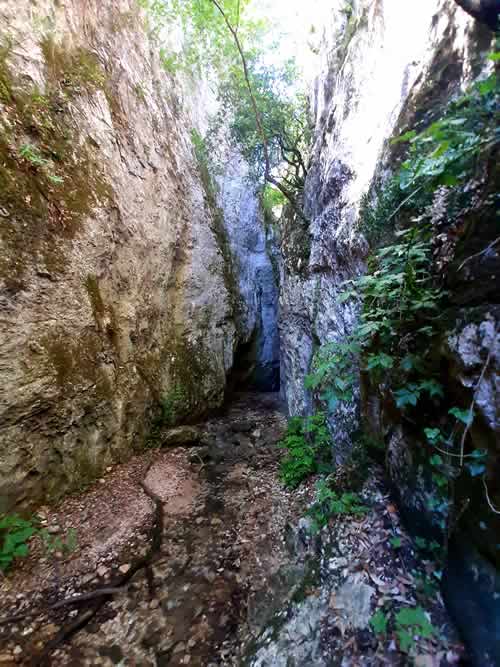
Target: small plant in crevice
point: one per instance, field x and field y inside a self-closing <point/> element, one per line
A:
<point x="329" y="503"/>
<point x="172" y="405"/>
<point x="408" y="624"/>
<point x="32" y="155"/>
<point x="308" y="449"/>
<point x="15" y="534"/>
<point x="65" y="544"/>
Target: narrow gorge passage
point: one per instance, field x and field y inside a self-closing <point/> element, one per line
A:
<point x="249" y="333"/>
<point x="216" y="540"/>
<point x="195" y="554"/>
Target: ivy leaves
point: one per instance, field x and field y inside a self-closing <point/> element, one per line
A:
<point x="410" y="393"/>
<point x="15" y="533"/>
<point x="402" y="299"/>
<point x="408" y="623"/>
<point x="411" y="622"/>
<point x="333" y="372"/>
<point x="442" y="154"/>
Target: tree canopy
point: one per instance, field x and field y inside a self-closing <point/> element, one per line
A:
<point x="260" y="105"/>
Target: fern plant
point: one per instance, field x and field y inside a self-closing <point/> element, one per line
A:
<point x="329" y="503"/>
<point x="308" y="449"/>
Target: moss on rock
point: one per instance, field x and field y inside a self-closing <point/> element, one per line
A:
<point x="46" y="198"/>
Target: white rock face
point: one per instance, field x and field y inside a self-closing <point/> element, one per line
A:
<point x="252" y="246"/>
<point x="115" y="292"/>
<point x="374" y="61"/>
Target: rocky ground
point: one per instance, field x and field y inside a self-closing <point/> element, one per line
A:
<point x="194" y="553"/>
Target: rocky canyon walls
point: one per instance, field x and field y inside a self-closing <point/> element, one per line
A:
<point x="388" y="67"/>
<point x="118" y="290"/>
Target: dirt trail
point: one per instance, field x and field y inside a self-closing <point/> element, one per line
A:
<point x="197" y="555"/>
<point x="191" y="535"/>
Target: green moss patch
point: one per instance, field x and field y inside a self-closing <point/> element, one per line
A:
<point x="50" y="176"/>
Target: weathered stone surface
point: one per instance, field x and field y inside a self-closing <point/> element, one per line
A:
<point x="182" y="435"/>
<point x="352" y="603"/>
<point x="252" y="246"/>
<point x="117" y="291"/>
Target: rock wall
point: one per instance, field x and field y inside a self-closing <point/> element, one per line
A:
<point x="370" y="65"/>
<point x="387" y="67"/>
<point x="117" y="290"/>
<point x="252" y="247"/>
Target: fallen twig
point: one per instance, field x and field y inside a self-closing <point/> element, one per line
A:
<point x="481" y="252"/>
<point x="110" y="590"/>
<point x="92" y="595"/>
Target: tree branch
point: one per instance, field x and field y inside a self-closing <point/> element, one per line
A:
<point x="258" y="119"/>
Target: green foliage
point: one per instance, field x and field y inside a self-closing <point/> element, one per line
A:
<point x="271" y="199"/>
<point x="33" y="156"/>
<point x="307" y="444"/>
<point x="443" y="154"/>
<point x="411" y="622"/>
<point x="31" y="153"/>
<point x="403" y="301"/>
<point x="379" y="622"/>
<point x="283" y="115"/>
<point x="66" y="544"/>
<point x="205" y="164"/>
<point x="329" y="503"/>
<point x="261" y="110"/>
<point x="396" y="542"/>
<point x="15" y="534"/>
<point x="172" y="405"/>
<point x="140" y="93"/>
<point x="333" y="372"/>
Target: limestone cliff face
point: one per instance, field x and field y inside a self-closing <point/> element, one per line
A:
<point x="117" y="290"/>
<point x="371" y="67"/>
<point x="387" y="67"/>
<point x="252" y="247"/>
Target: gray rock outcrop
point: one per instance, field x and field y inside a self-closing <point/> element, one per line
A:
<point x="118" y="293"/>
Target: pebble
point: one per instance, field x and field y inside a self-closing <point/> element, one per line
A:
<point x="18" y="650"/>
<point x="102" y="571"/>
<point x="6" y="658"/>
<point x="54" y="529"/>
<point x="180" y="648"/>
<point x="124" y="568"/>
